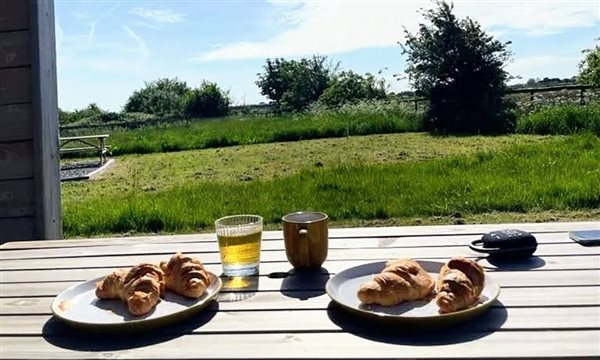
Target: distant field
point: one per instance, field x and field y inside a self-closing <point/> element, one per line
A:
<point x="368" y="180"/>
<point x="362" y="119"/>
<point x="350" y="120"/>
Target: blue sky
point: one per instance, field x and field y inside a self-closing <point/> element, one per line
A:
<point x="108" y="49"/>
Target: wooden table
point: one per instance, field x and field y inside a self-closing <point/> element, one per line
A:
<point x="549" y="307"/>
<point x="94" y="143"/>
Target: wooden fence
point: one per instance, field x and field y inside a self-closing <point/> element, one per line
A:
<point x="531" y="91"/>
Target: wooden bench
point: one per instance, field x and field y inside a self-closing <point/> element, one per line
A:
<point x="88" y="143"/>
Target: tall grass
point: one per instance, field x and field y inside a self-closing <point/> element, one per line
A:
<point x="561" y="119"/>
<point x="561" y="174"/>
<point x="357" y="119"/>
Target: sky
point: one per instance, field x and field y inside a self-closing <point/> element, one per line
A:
<point x="107" y="49"/>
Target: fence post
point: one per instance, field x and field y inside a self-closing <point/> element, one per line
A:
<point x="582" y="96"/>
<point x="531" y="97"/>
<point x="416" y="105"/>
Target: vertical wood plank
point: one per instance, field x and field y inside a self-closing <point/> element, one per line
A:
<point x="15" y="122"/>
<point x="17" y="229"/>
<point x="14" y="49"/>
<point x="15" y="85"/>
<point x="16" y="160"/>
<point x="45" y="121"/>
<point x="14" y="15"/>
<point x="16" y="198"/>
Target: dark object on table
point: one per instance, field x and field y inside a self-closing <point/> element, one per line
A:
<point x="506" y="244"/>
<point x="586" y="237"/>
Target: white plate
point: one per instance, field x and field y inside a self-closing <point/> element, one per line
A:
<point x="343" y="288"/>
<point x="79" y="306"/>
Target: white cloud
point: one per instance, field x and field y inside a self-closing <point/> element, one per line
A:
<point x="330" y="27"/>
<point x="116" y="52"/>
<point x="534" y="17"/>
<point x="144" y="53"/>
<point x="158" y="16"/>
<point x="95" y="22"/>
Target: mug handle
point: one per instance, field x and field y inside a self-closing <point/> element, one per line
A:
<point x="304" y="246"/>
<point x="474" y="245"/>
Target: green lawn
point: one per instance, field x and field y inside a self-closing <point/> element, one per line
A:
<point x="369" y="180"/>
<point x="356" y="119"/>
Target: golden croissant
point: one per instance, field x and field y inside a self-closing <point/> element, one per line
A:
<point x="401" y="280"/>
<point x="185" y="275"/>
<point x="459" y="284"/>
<point x="140" y="287"/>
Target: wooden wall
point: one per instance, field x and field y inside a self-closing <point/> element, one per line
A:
<point x="29" y="170"/>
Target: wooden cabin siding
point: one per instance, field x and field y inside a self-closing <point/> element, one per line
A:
<point x="16" y="160"/>
<point x="14" y="15"/>
<point x="14" y="49"/>
<point x="15" y="123"/>
<point x="45" y="125"/>
<point x="29" y="170"/>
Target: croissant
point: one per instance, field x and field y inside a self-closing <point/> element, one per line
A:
<point x="140" y="287"/>
<point x="185" y="275"/>
<point x="401" y="280"/>
<point x="112" y="285"/>
<point x="459" y="284"/>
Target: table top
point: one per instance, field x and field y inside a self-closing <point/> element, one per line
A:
<point x="99" y="136"/>
<point x="549" y="306"/>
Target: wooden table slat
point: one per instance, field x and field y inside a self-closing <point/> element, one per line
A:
<point x="305" y="300"/>
<point x="279" y="256"/>
<point x="554" y="263"/>
<point x="327" y="320"/>
<point x="548" y="344"/>
<point x="359" y="233"/>
<point x="505" y="279"/>
<point x="405" y="243"/>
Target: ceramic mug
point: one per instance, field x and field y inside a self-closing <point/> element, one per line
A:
<point x="306" y="239"/>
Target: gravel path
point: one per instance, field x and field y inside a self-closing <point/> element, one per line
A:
<point x="78" y="170"/>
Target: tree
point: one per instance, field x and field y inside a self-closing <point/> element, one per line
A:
<point x="206" y="101"/>
<point x="589" y="68"/>
<point x="461" y="69"/>
<point x="293" y="84"/>
<point x="68" y="117"/>
<point x="349" y="86"/>
<point x="160" y="97"/>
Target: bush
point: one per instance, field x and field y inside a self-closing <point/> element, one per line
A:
<point x="589" y="68"/>
<point x="348" y="87"/>
<point x="206" y="101"/>
<point x="161" y="97"/>
<point x="292" y="85"/>
<point x="461" y="69"/>
<point x="69" y="117"/>
<point x="562" y="119"/>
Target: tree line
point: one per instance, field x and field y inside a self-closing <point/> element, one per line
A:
<point x="451" y="61"/>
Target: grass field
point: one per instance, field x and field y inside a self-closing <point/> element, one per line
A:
<point x="320" y="123"/>
<point x="562" y="119"/>
<point x="368" y="180"/>
<point x="215" y="133"/>
<point x="362" y="119"/>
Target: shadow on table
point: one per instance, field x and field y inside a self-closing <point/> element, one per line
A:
<point x="515" y="264"/>
<point x="304" y="284"/>
<point x="57" y="333"/>
<point x="404" y="334"/>
<point x="238" y="288"/>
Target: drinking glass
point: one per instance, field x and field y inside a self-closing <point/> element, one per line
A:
<point x="239" y="238"/>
